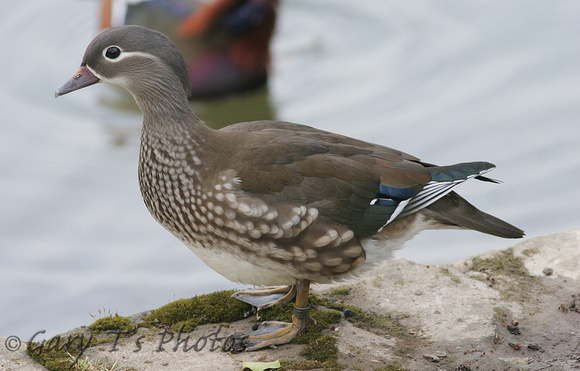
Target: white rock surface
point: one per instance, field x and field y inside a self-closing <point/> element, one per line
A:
<point x="558" y="252"/>
<point x="457" y="316"/>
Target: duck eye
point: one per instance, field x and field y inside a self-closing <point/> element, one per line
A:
<point x="112" y="52"/>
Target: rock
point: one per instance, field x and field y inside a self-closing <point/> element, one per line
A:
<point x="13" y="356"/>
<point x="413" y="312"/>
<point x="533" y="347"/>
<point x="513" y="329"/>
<point x="435" y="357"/>
<point x="431" y="357"/>
<point x="557" y="251"/>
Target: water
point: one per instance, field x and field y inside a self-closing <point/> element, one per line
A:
<point x="448" y="82"/>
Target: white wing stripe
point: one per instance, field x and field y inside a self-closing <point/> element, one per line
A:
<point x="423" y="200"/>
<point x="432" y="192"/>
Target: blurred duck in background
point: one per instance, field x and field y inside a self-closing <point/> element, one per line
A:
<point x="226" y="43"/>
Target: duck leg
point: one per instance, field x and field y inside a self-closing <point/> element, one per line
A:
<point x="276" y="332"/>
<point x="265" y="297"/>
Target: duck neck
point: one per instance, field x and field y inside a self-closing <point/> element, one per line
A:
<point x="172" y="160"/>
<point x="170" y="122"/>
<point x="163" y="104"/>
<point x="166" y="110"/>
<point x="170" y="126"/>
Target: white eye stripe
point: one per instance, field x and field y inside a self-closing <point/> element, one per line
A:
<point x="124" y="54"/>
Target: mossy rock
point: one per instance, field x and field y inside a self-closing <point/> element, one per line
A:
<point x="507" y="274"/>
<point x="341" y="291"/>
<point x="504" y="262"/>
<point x="60" y="353"/>
<point x="114" y="323"/>
<point x="186" y="314"/>
<point x="322" y="350"/>
<point x="53" y="359"/>
<point x="368" y="321"/>
<point x="219" y="308"/>
<point x="319" y="353"/>
<point x="280" y="312"/>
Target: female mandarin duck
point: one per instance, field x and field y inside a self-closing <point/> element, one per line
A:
<point x="226" y="43"/>
<point x="268" y="202"/>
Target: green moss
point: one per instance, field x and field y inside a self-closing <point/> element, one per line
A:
<point x="112" y="323"/>
<point x="54" y="359"/>
<point x="60" y="353"/>
<point x="504" y="262"/>
<point x="500" y="314"/>
<point x="323" y="350"/>
<point x="323" y="321"/>
<point x="186" y="314"/>
<point x="366" y="320"/>
<point x="280" y="312"/>
<point x="376" y="323"/>
<point x="319" y="353"/>
<point x="507" y="274"/>
<point x="341" y="292"/>
<point x="390" y="368"/>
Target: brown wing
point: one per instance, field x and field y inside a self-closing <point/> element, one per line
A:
<point x="340" y="176"/>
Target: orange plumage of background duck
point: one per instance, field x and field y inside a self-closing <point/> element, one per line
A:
<point x="226" y="43"/>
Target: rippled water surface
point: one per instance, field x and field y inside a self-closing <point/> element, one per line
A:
<point x="448" y="82"/>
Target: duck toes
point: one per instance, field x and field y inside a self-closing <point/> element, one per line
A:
<point x="269" y="202"/>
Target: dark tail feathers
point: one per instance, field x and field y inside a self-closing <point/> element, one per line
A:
<point x="455" y="210"/>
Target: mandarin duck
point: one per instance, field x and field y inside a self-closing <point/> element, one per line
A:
<point x="268" y="202"/>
